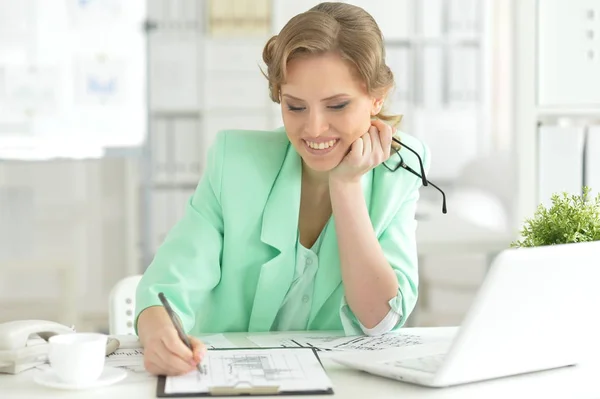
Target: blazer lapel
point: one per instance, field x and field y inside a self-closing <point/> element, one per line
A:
<point x="279" y="230"/>
<point x="329" y="274"/>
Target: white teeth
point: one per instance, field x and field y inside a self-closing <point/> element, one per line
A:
<point x="321" y="146"/>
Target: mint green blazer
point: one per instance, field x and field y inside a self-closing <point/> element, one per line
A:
<point x="227" y="265"/>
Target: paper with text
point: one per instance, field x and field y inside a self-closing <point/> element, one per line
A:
<point x="344" y="343"/>
<point x="291" y="370"/>
<point x="132" y="358"/>
<point x="129" y="359"/>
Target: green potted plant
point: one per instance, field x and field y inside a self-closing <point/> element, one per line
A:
<point x="570" y="219"/>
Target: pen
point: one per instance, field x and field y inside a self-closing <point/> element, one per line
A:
<point x="176" y="323"/>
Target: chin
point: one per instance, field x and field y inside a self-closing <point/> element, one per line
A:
<point x="319" y="166"/>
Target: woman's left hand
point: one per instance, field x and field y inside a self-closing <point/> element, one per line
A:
<point x="367" y="152"/>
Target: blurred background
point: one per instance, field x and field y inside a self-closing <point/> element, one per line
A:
<point x="107" y="108"/>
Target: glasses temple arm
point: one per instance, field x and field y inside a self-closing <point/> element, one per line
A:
<point x="422" y="176"/>
<point x="408" y="168"/>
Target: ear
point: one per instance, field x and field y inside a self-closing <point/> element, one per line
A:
<point x="377" y="105"/>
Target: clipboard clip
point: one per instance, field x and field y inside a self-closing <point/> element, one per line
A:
<point x="243" y="388"/>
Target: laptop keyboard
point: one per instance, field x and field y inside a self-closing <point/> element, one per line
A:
<point x="428" y="364"/>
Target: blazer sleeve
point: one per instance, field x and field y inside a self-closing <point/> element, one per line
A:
<point x="399" y="244"/>
<point x="187" y="266"/>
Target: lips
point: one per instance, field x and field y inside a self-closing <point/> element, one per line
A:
<point x="321" y="147"/>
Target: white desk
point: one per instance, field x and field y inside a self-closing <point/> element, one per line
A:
<point x="568" y="383"/>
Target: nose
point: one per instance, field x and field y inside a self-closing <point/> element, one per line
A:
<point x="317" y="124"/>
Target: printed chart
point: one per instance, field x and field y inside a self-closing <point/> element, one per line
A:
<point x="288" y="369"/>
<point x="345" y="343"/>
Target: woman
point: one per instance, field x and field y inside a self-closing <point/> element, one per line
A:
<point x="300" y="228"/>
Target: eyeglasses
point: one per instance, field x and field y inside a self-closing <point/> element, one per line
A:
<point x="394" y="164"/>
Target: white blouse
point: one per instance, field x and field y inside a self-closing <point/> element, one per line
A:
<point x="295" y="309"/>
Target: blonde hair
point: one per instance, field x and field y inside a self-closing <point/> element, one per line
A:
<point x="332" y="27"/>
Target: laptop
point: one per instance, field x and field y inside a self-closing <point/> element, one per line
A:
<point x="531" y="313"/>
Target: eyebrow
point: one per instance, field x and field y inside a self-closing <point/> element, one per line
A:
<point x="325" y="99"/>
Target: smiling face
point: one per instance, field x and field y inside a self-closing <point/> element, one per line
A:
<point x="325" y="108"/>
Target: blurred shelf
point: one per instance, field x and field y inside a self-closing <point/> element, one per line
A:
<point x="175" y="186"/>
<point x="435" y="41"/>
<point x="175" y="113"/>
<point x="215" y="111"/>
<point x="568" y="116"/>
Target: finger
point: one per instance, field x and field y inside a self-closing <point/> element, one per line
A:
<point x="386" y="143"/>
<point x="171" y="363"/>
<point x="367" y="144"/>
<point x="174" y="344"/>
<point x="153" y="368"/>
<point x="199" y="349"/>
<point x="377" y="151"/>
<point x="385" y="135"/>
<point x="154" y="363"/>
<point x="380" y="125"/>
<point x="357" y="149"/>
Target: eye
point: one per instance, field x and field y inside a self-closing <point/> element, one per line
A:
<point x="294" y="109"/>
<point x="339" y="106"/>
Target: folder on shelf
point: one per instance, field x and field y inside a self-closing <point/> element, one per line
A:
<point x="592" y="161"/>
<point x="463" y="80"/>
<point x="187" y="148"/>
<point x="394" y="19"/>
<point x="283" y="11"/>
<point x="175" y="68"/>
<point x="398" y="58"/>
<point x="432" y="80"/>
<point x="463" y="17"/>
<point x="161" y="157"/>
<point x="560" y="161"/>
<point x="251" y="371"/>
<point x="431" y="18"/>
<point x="160" y="222"/>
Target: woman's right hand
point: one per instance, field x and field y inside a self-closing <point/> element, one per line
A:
<point x="164" y="352"/>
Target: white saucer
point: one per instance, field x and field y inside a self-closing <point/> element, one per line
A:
<point x="110" y="375"/>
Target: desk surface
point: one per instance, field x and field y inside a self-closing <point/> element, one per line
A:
<point x="572" y="383"/>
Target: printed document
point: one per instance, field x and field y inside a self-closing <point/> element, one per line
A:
<point x="290" y="370"/>
<point x="346" y="343"/>
<point x="131" y="357"/>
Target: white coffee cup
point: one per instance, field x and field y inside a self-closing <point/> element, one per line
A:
<point x="77" y="358"/>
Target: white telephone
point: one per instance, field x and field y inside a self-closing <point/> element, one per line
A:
<point x="23" y="343"/>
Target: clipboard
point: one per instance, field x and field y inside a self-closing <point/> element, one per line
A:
<point x="245" y="388"/>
